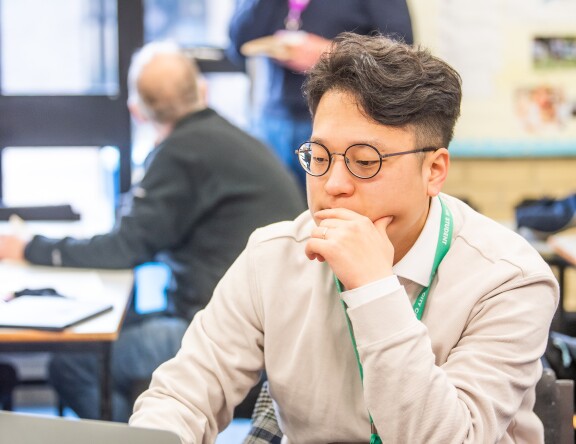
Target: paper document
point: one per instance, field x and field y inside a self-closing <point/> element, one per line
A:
<point x="49" y="312"/>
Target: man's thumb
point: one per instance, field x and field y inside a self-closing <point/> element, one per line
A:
<point x="382" y="224"/>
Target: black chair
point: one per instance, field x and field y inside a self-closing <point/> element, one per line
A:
<point x="8" y="380"/>
<point x="555" y="407"/>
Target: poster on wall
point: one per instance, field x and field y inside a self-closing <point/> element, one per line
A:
<point x="517" y="59"/>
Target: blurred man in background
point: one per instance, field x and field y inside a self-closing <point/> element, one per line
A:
<point x="207" y="186"/>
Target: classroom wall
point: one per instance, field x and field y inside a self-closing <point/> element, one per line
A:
<point x="491" y="45"/>
<point x="494" y="186"/>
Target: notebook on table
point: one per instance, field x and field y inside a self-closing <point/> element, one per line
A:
<point x="29" y="429"/>
<point x="49" y="312"/>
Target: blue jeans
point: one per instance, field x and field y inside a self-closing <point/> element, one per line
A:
<point x="284" y="136"/>
<point x="141" y="347"/>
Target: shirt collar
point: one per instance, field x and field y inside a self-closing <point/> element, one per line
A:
<point x="416" y="265"/>
<point x="195" y="115"/>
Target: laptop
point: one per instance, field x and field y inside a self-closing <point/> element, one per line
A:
<point x="49" y="312"/>
<point x="19" y="428"/>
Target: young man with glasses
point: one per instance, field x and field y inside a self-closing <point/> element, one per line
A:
<point x="388" y="312"/>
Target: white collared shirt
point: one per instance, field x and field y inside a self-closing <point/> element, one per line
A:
<point x="414" y="268"/>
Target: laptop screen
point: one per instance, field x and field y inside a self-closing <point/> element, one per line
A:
<point x="30" y="429"/>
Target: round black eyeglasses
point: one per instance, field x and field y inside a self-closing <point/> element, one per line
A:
<point x="363" y="161"/>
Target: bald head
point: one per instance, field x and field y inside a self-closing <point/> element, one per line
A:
<point x="163" y="83"/>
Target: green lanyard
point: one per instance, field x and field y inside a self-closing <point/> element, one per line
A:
<point x="444" y="240"/>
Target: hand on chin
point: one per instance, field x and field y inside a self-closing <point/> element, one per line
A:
<point x="357" y="249"/>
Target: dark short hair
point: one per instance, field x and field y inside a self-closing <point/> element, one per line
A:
<point x="394" y="84"/>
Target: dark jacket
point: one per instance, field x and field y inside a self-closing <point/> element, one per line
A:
<point x="206" y="188"/>
<point x="326" y="18"/>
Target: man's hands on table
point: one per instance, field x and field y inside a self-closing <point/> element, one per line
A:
<point x="12" y="247"/>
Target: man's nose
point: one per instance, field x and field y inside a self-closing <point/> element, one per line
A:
<point x="339" y="178"/>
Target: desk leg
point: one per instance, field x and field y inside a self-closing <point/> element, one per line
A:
<point x="105" y="383"/>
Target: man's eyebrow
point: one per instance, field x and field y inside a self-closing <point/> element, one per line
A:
<point x="318" y="140"/>
<point x="376" y="143"/>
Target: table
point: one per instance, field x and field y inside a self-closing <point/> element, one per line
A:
<point x="95" y="334"/>
<point x="564" y="244"/>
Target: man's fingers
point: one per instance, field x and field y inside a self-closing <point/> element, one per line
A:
<point x="320" y="232"/>
<point x="336" y="213"/>
<point x="311" y="252"/>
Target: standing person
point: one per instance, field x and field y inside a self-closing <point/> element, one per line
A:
<point x="281" y="116"/>
<point x="207" y="186"/>
<point x="388" y="302"/>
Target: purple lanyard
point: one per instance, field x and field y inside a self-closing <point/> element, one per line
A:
<point x="295" y="10"/>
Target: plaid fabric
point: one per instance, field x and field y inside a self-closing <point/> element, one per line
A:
<point x="264" y="428"/>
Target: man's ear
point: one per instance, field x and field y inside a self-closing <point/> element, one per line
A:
<point x="137" y="113"/>
<point x="437" y="165"/>
<point x="202" y="86"/>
